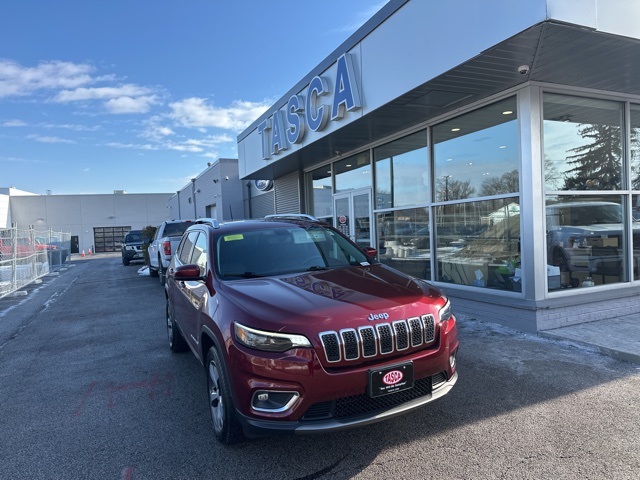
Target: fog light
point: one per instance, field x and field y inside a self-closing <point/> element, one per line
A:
<point x="452" y="360"/>
<point x="273" y="401"/>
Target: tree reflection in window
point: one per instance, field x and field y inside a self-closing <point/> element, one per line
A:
<point x="582" y="143"/>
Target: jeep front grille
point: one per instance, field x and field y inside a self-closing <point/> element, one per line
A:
<point x="383" y="338"/>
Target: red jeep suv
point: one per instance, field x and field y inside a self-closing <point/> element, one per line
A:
<point x="300" y="330"/>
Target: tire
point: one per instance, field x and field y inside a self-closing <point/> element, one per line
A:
<point x="125" y="262"/>
<point x="153" y="272"/>
<point x="177" y="343"/>
<point x="161" y="272"/>
<point x="226" y="426"/>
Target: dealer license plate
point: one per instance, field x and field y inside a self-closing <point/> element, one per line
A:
<point x="392" y="379"/>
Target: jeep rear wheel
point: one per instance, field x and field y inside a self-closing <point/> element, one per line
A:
<point x="177" y="342"/>
<point x="226" y="427"/>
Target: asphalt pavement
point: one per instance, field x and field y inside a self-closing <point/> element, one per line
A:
<point x="89" y="389"/>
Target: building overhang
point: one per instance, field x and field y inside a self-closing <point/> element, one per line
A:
<point x="556" y="53"/>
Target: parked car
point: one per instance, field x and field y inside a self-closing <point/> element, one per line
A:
<point x="163" y="244"/>
<point x="24" y="247"/>
<point x="300" y="330"/>
<point x="132" y="246"/>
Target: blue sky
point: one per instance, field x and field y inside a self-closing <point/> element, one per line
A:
<point x="137" y="95"/>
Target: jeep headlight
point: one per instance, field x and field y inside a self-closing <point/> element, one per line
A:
<point x="445" y="312"/>
<point x="269" y="341"/>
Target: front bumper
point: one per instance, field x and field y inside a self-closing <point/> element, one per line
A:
<point x="255" y="427"/>
<point x="331" y="399"/>
<point x="133" y="254"/>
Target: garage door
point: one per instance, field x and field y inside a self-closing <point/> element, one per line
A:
<point x="109" y="239"/>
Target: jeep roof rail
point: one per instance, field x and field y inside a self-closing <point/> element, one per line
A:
<point x="293" y="216"/>
<point x="209" y="221"/>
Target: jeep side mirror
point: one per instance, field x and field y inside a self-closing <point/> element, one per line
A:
<point x="187" y="272"/>
<point x="370" y="251"/>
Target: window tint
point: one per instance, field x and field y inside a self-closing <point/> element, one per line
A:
<point x="199" y="253"/>
<point x="132" y="237"/>
<point x="184" y="251"/>
<point x="280" y="250"/>
<point x="175" y="229"/>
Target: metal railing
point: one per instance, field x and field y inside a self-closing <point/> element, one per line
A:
<point x="27" y="255"/>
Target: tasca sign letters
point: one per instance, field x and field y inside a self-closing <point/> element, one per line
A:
<point x="289" y="126"/>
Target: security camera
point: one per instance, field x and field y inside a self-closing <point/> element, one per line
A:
<point x="523" y="69"/>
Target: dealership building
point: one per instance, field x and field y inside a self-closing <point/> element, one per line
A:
<point x="491" y="147"/>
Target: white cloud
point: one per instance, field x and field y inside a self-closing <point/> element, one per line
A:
<point x="130" y="105"/>
<point x="137" y="146"/>
<point x="46" y="139"/>
<point x="14" y="123"/>
<point x="211" y="140"/>
<point x="73" y="127"/>
<point x="16" y="80"/>
<point x="194" y="112"/>
<point x="164" y="131"/>
<point x="101" y="93"/>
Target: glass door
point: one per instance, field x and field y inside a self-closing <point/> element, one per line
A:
<point x="352" y="216"/>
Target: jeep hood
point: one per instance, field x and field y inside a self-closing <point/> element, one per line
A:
<point x="335" y="299"/>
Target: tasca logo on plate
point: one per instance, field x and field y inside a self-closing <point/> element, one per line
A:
<point x="392" y="377"/>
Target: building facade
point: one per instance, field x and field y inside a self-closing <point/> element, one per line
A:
<point x="490" y="147"/>
<point x="96" y="222"/>
<point x="217" y="192"/>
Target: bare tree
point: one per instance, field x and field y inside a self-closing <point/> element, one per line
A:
<point x="509" y="182"/>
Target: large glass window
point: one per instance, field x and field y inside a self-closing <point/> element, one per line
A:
<point x="401" y="172"/>
<point x="353" y="172"/>
<point x="478" y="243"/>
<point x="476" y="154"/>
<point x="320" y="195"/>
<point x="404" y="241"/>
<point x="586" y="239"/>
<point x="583" y="151"/>
<point x="582" y="143"/>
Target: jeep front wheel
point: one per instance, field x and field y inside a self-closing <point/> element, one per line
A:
<point x="226" y="427"/>
<point x="177" y="343"/>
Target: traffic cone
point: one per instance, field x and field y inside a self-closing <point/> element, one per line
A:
<point x="83" y="253"/>
<point x="89" y="252"/>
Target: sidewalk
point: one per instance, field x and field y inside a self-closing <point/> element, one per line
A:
<point x="616" y="337"/>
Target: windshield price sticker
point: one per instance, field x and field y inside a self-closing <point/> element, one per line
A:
<point x="393" y="379"/>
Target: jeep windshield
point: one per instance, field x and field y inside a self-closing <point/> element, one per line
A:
<point x="275" y="250"/>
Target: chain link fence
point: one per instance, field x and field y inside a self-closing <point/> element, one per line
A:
<point x="26" y="255"/>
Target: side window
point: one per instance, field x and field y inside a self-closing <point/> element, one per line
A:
<point x="184" y="250"/>
<point x="199" y="253"/>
